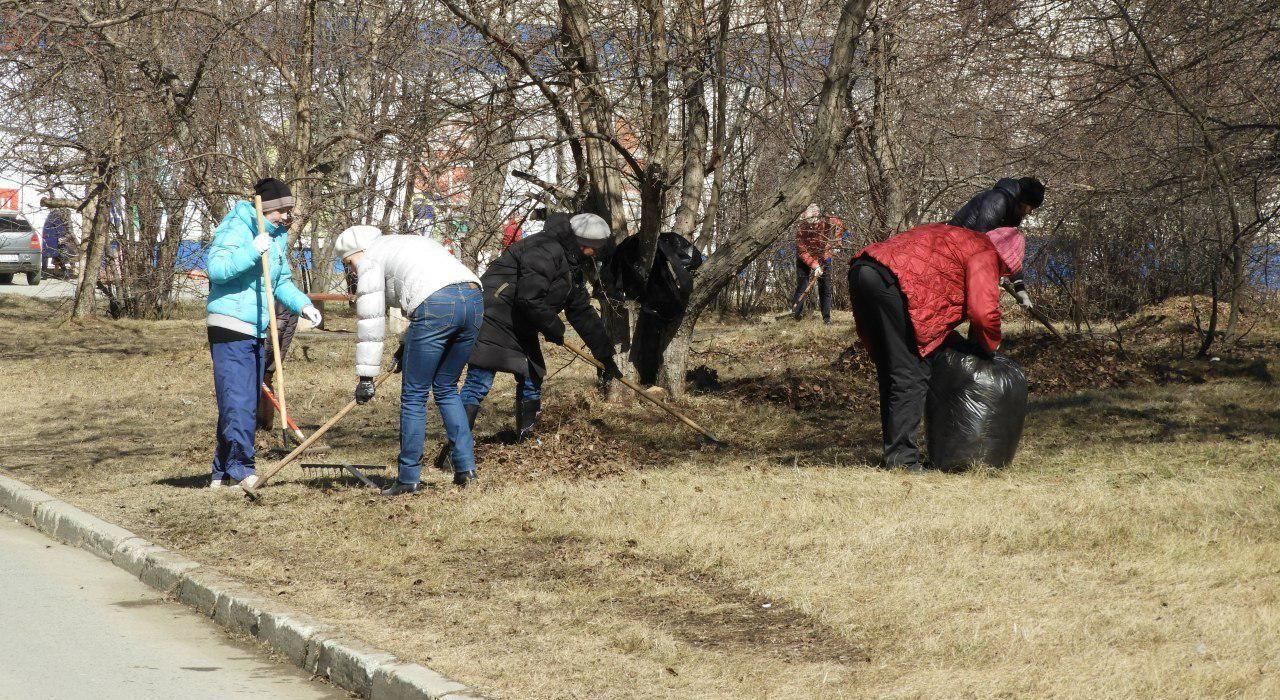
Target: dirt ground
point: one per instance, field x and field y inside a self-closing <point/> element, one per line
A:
<point x="1131" y="550"/>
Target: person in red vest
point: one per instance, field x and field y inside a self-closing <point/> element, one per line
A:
<point x="909" y="292"/>
<point x="815" y="235"/>
<point x="512" y="232"/>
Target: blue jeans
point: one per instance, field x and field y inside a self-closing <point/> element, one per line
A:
<point x="442" y="331"/>
<point x="480" y="381"/>
<point x="237" y="381"/>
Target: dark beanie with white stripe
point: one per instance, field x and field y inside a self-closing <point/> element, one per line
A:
<point x="275" y="194"/>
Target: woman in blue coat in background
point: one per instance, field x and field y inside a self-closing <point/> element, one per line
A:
<point x="237" y="320"/>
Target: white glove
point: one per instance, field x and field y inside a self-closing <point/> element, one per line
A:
<point x="312" y="314"/>
<point x="817" y="271"/>
<point x="262" y="242"/>
<point x="1024" y="299"/>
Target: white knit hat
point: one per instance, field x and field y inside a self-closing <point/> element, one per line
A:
<point x="354" y="240"/>
<point x="591" y="230"/>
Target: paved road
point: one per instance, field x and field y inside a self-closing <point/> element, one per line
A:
<point x="73" y="626"/>
<point x="50" y="288"/>
<point x="47" y="289"/>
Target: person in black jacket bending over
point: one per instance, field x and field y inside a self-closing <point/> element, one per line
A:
<point x="525" y="289"/>
<point x="663" y="297"/>
<point x="1006" y="204"/>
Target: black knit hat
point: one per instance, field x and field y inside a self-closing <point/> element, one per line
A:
<point x="1032" y="191"/>
<point x="275" y="194"/>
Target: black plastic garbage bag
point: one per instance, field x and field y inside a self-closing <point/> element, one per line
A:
<point x="976" y="407"/>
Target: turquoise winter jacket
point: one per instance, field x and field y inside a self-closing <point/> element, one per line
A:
<point x="235" y="270"/>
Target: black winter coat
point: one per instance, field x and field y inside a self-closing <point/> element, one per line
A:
<point x="670" y="285"/>
<point x="525" y="289"/>
<point x="992" y="209"/>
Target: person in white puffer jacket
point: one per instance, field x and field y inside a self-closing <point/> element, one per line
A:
<point x="442" y="300"/>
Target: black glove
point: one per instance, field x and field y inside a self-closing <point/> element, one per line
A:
<point x="397" y="363"/>
<point x="555" y="336"/>
<point x="364" y="390"/>
<point x="611" y="369"/>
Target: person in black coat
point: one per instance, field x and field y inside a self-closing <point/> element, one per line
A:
<point x="1006" y="204"/>
<point x="525" y="289"/>
<point x="663" y="297"/>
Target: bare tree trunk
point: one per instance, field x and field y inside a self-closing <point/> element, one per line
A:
<point x="82" y="305"/>
<point x="604" y="185"/>
<point x="876" y="137"/>
<point x="693" y="76"/>
<point x="105" y="181"/>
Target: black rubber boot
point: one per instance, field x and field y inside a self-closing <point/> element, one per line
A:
<point x="527" y="418"/>
<point x="461" y="479"/>
<point x="398" y="489"/>
<point x="444" y="458"/>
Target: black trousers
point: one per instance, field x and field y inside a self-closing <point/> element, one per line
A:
<point x="803" y="271"/>
<point x="881" y="314"/>
<point x="653" y="333"/>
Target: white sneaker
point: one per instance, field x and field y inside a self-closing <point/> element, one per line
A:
<point x="217" y="484"/>
<point x="249" y="481"/>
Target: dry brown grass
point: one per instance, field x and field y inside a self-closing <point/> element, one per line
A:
<point x="1131" y="551"/>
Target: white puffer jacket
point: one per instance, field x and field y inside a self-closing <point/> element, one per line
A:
<point x="400" y="270"/>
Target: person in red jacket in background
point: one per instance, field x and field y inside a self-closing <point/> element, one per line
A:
<point x="909" y="292"/>
<point x="512" y="232"/>
<point x="814" y="237"/>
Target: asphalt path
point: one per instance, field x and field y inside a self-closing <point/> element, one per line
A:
<point x="47" y="289"/>
<point x="73" y="626"/>
<point x="55" y="289"/>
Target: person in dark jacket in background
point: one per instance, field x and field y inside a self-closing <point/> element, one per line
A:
<point x="663" y="297"/>
<point x="815" y="235"/>
<point x="525" y="289"/>
<point x="1002" y="206"/>
<point x="908" y="293"/>
<point x="286" y="326"/>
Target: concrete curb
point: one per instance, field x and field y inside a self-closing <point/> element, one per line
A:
<point x="310" y="644"/>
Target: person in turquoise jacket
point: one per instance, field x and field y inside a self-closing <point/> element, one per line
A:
<point x="237" y="320"/>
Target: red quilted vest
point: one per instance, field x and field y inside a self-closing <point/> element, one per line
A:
<point x="948" y="274"/>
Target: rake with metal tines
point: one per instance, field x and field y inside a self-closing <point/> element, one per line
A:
<point x="336" y="470"/>
<point x="252" y="492"/>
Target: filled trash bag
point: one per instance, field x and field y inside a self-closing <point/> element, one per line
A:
<point x="976" y="407"/>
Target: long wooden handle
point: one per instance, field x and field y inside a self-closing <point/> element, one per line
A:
<point x="636" y="388"/>
<point x="297" y="451"/>
<point x="813" y="280"/>
<point x="800" y="300"/>
<point x="271" y="311"/>
<point x="325" y="296"/>
<point x="1037" y="314"/>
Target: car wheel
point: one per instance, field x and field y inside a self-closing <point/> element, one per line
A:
<point x="6" y="278"/>
<point x="33" y="278"/>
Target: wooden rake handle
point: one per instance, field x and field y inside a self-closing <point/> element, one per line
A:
<point x="813" y="279"/>
<point x="271" y="310"/>
<point x="636" y="388"/>
<point x="297" y="451"/>
<point x="1037" y="314"/>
